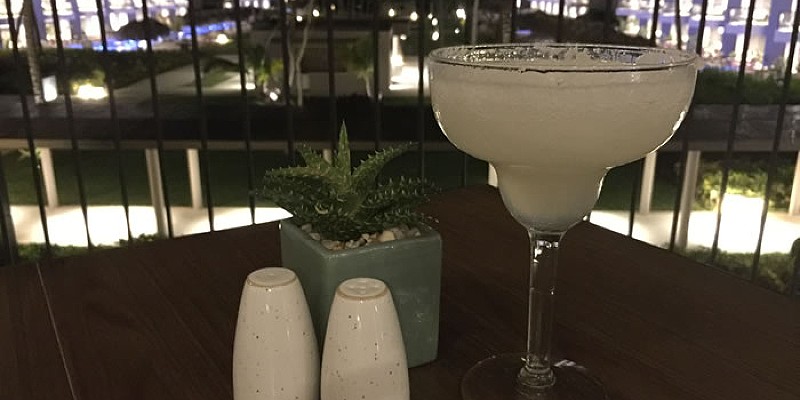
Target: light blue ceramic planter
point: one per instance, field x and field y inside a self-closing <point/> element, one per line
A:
<point x="410" y="267"/>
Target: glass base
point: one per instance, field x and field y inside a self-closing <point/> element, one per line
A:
<point x="496" y="378"/>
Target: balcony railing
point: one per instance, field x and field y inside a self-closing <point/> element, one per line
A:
<point x="212" y="93"/>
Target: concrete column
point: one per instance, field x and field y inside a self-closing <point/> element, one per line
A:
<point x="690" y="173"/>
<point x="794" y="202"/>
<point x="648" y="181"/>
<point x="48" y="176"/>
<point x="195" y="184"/>
<point x="492" y="178"/>
<point x="156" y="190"/>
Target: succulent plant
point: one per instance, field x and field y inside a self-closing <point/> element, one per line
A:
<point x="341" y="202"/>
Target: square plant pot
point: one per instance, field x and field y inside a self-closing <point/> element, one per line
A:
<point x="410" y="267"/>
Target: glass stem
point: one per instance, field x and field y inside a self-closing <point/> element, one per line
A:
<point x="537" y="372"/>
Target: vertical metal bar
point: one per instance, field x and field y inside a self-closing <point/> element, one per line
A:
<point x="685" y="139"/>
<point x="608" y="19"/>
<point x="560" y="27"/>
<point x="247" y="128"/>
<point x="748" y="29"/>
<point x="26" y="115"/>
<point x="117" y="131"/>
<point x="654" y="25"/>
<point x="635" y="189"/>
<point x="776" y="140"/>
<point x="333" y="118"/>
<point x="154" y="101"/>
<point x="422" y="7"/>
<point x="377" y="94"/>
<point x="701" y="28"/>
<point x="473" y="31"/>
<point x="287" y="94"/>
<point x="9" y="252"/>
<point x="205" y="172"/>
<point x="512" y="37"/>
<point x="156" y="186"/>
<point x="468" y="39"/>
<point x="678" y="28"/>
<point x="64" y="80"/>
<point x="793" y="288"/>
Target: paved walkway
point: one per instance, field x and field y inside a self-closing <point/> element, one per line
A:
<point x="107" y="225"/>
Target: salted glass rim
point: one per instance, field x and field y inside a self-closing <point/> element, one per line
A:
<point x="460" y="56"/>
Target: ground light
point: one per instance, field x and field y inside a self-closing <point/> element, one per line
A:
<point x="743" y="207"/>
<point x="413" y="16"/>
<point x="91" y="92"/>
<point x="222" y="39"/>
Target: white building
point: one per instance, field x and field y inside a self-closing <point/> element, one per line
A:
<point x="79" y="18"/>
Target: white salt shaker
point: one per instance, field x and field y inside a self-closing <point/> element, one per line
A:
<point x="275" y="354"/>
<point x="364" y="357"/>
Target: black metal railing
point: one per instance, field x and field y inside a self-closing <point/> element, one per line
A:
<point x="262" y="127"/>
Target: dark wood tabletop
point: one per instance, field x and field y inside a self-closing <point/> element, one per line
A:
<point x="156" y="321"/>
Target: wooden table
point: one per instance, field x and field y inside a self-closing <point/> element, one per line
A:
<point x="156" y="321"/>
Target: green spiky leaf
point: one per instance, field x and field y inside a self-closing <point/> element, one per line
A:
<point x="310" y="157"/>
<point x="341" y="202"/>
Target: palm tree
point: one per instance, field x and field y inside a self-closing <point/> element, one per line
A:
<point x="33" y="51"/>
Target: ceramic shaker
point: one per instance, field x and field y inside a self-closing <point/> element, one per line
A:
<point x="363" y="357"/>
<point x="275" y="354"/>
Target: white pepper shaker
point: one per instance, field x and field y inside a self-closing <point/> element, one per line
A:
<point x="364" y="357"/>
<point x="275" y="355"/>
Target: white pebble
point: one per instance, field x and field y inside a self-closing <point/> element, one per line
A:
<point x="398" y="233"/>
<point x="386" y="236"/>
<point x="330" y="244"/>
<point x="306" y="228"/>
<point x="315" y="236"/>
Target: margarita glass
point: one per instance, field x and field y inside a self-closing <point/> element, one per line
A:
<point x="553" y="119"/>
